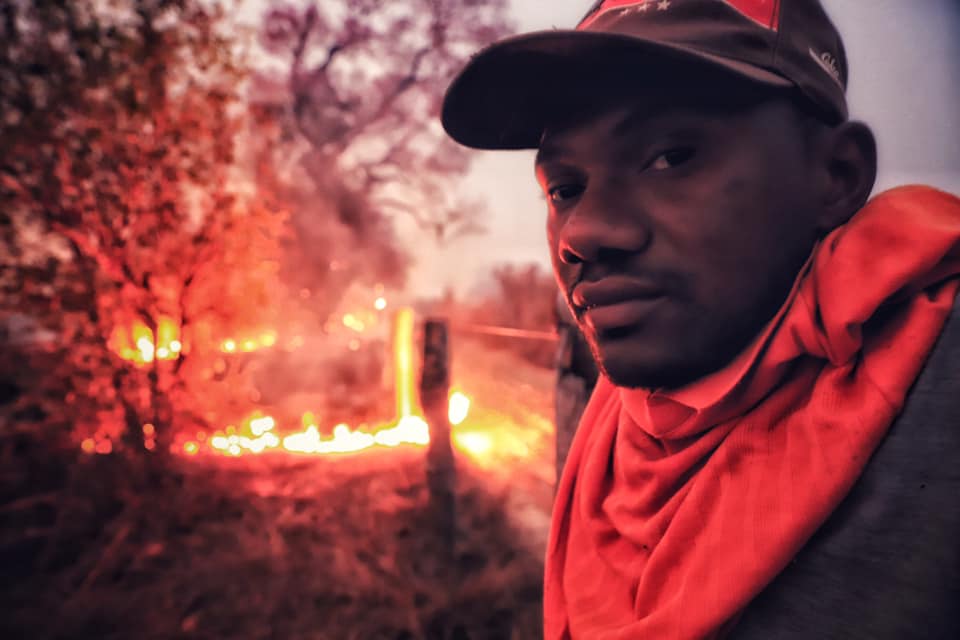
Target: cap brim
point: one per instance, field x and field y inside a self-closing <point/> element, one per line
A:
<point x="504" y="95"/>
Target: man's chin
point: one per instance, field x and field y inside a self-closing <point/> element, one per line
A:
<point x="632" y="366"/>
<point x="628" y="378"/>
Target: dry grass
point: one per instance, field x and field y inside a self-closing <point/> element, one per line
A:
<point x="286" y="548"/>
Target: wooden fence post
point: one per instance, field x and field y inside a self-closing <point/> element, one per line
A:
<point x="434" y="399"/>
<point x="576" y="377"/>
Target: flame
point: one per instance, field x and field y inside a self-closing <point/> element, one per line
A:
<point x="138" y="344"/>
<point x="408" y="430"/>
<point x="257" y="433"/>
<point x="458" y="408"/>
<point x="475" y="443"/>
<point x="403" y="361"/>
<point x="264" y="340"/>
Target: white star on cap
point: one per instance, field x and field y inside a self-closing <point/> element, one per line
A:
<point x="664" y="5"/>
<point x="642" y="8"/>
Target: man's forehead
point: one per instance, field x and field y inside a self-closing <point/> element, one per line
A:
<point x="620" y="112"/>
<point x="620" y="121"/>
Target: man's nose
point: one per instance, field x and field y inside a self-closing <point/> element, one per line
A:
<point x="596" y="228"/>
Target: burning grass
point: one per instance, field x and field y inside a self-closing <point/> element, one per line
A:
<point x="338" y="548"/>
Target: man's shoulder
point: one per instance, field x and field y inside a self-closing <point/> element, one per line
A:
<point x="886" y="564"/>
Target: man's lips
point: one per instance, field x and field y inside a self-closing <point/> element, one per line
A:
<point x="615" y="301"/>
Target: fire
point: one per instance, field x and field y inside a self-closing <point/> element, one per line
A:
<point x="139" y="344"/>
<point x="258" y="432"/>
<point x="403" y="361"/>
<point x="264" y="340"/>
<point x="476" y="443"/>
<point x="458" y="408"/>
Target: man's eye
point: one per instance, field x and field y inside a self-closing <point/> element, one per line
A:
<point x="564" y="192"/>
<point x="671" y="158"/>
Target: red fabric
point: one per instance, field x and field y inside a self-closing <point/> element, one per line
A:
<point x="675" y="510"/>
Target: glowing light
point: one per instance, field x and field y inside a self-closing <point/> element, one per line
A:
<point x="457" y="408"/>
<point x="249" y="345"/>
<point x="260" y="426"/>
<point x="146" y="349"/>
<point x="380" y="304"/>
<point x="268" y="339"/>
<point x="354" y="345"/>
<point x="149" y="429"/>
<point x="409" y="430"/>
<point x="403" y="361"/>
<point x="104" y="447"/>
<point x="229" y="346"/>
<point x="167" y="332"/>
<point x="191" y="448"/>
<point x="351" y="321"/>
<point x="473" y="442"/>
<point x="150" y="444"/>
<point x="138" y="343"/>
<point x="88" y="445"/>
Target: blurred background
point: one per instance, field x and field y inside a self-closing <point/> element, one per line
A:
<point x="279" y="360"/>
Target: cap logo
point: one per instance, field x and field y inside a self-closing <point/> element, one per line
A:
<point x="624" y="7"/>
<point x="828" y="63"/>
<point x="764" y="12"/>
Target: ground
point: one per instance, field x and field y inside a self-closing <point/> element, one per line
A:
<point x="287" y="547"/>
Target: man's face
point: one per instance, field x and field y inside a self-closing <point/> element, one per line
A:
<point x="677" y="226"/>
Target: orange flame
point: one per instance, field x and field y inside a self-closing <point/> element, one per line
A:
<point x="138" y="343"/>
<point x="458" y="408"/>
<point x="256" y="433"/>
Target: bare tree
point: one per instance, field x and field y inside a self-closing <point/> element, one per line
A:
<point x="356" y="88"/>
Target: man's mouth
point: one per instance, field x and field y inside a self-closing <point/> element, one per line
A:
<point x="603" y="319"/>
<point x="615" y="302"/>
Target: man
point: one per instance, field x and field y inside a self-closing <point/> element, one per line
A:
<point x="772" y="450"/>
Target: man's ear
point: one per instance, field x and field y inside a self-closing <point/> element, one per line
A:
<point x="850" y="165"/>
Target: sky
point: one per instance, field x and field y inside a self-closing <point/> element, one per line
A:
<point x="904" y="63"/>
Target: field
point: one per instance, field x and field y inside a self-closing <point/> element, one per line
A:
<point x="280" y="546"/>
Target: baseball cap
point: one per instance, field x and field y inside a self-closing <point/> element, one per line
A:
<point x="503" y="96"/>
